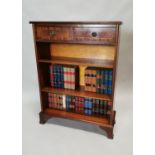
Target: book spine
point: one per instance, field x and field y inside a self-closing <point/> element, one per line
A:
<point x="72" y="78"/>
<point x="89" y="80"/>
<point x="72" y="104"/>
<point x="105" y="107"/>
<point x="110" y="82"/>
<point x="51" y="76"/>
<point x="97" y="106"/>
<point x="94" y="106"/>
<point x="49" y="100"/>
<point x="93" y="80"/>
<point x="102" y="82"/>
<point x="65" y="77"/>
<point x="61" y="77"/>
<point x="101" y="107"/>
<point x="88" y="106"/>
<point x="67" y="103"/>
<point x="98" y="81"/>
<point x="58" y="76"/>
<point x="106" y="82"/>
<point x="86" y="79"/>
<point x="76" y="77"/>
<point x="68" y="78"/>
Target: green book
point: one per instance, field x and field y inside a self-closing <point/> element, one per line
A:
<point x="105" y="107"/>
<point x="101" y="107"/>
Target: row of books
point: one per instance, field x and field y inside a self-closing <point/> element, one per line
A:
<point x="64" y="76"/>
<point x="98" y="80"/>
<point x="56" y="101"/>
<point x="78" y="104"/>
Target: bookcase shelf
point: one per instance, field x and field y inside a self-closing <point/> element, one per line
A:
<point x="74" y="55"/>
<point x="80" y="62"/>
<point x="79" y="92"/>
<point x="70" y="115"/>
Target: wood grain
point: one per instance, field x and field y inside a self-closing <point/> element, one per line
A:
<point x="83" y="51"/>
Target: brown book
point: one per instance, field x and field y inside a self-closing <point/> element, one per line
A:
<point x="93" y="81"/>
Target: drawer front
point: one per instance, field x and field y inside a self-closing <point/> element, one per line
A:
<point x="53" y="33"/>
<point x="103" y="35"/>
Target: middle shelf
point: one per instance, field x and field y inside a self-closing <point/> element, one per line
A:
<point x="80" y="92"/>
<point x="79" y="61"/>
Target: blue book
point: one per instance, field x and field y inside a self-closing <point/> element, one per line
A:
<point x="67" y="103"/>
<point x="90" y="103"/>
<point x="54" y="75"/>
<point x="110" y="82"/>
<point x="62" y="77"/>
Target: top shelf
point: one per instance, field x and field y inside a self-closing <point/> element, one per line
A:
<point x="76" y="22"/>
<point x="80" y="62"/>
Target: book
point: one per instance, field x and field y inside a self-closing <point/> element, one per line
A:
<point x="88" y="106"/>
<point x="106" y="82"/>
<point x="102" y="88"/>
<point x="61" y="77"/>
<point x="55" y="101"/>
<point x="64" y="101"/>
<point x="109" y="82"/>
<point x="51" y="76"/>
<point x="65" y="76"/>
<point x="70" y="103"/>
<point x="88" y="79"/>
<point x="79" y="104"/>
<point x="98" y="81"/>
<point x="93" y="80"/>
<point x="101" y="107"/>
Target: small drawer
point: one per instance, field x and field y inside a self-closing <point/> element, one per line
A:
<point x="101" y="35"/>
<point x="53" y="33"/>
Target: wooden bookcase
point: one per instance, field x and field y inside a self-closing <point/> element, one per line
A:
<point x="75" y="43"/>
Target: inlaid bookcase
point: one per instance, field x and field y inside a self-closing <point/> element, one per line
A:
<point x="84" y="44"/>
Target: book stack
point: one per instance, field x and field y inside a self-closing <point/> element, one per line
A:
<point x="64" y="77"/>
<point x="71" y="74"/>
<point x="88" y="106"/>
<point x="101" y="107"/>
<point x="56" y="101"/>
<point x="98" y="80"/>
<point x="70" y="103"/>
<point x="57" y="76"/>
<point x="79" y="104"/>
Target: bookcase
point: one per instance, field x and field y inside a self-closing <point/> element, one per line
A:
<point x="76" y="64"/>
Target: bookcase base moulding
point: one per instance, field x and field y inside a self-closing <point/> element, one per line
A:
<point x="76" y="64"/>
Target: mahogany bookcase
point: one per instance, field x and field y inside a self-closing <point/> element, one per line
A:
<point x="84" y="44"/>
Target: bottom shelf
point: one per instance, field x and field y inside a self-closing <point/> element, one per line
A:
<point x="102" y="121"/>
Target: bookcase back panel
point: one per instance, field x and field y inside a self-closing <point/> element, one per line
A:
<point x="85" y="51"/>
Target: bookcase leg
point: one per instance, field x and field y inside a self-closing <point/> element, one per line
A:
<point x="109" y="132"/>
<point x="43" y="118"/>
<point x="112" y="118"/>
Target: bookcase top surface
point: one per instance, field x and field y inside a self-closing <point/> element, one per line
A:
<point x="77" y="22"/>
